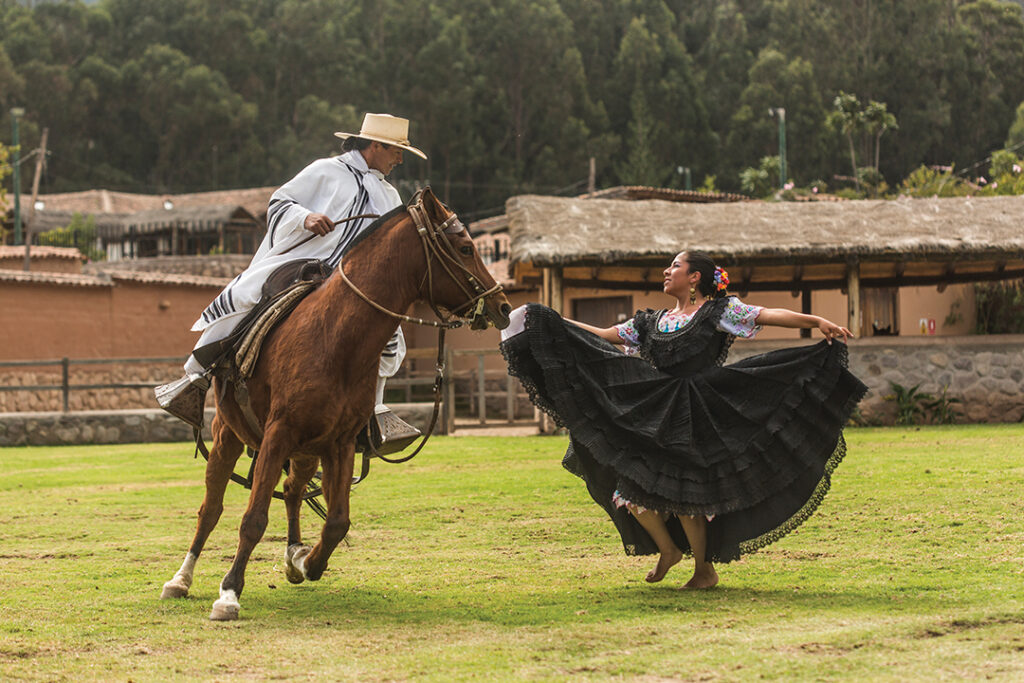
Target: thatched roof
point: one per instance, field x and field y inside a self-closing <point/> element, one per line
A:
<point x="499" y="223"/>
<point x="560" y="231"/>
<point x="637" y="192"/>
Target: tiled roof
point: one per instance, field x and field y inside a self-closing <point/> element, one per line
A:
<point x="166" y="278"/>
<point x="54" y="278"/>
<point x="41" y="252"/>
<point x="254" y="200"/>
<point x="488" y="225"/>
<point x="109" y="279"/>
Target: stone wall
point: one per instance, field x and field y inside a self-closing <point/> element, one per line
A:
<point x="985" y="372"/>
<point x="130" y="426"/>
<point x="84" y="399"/>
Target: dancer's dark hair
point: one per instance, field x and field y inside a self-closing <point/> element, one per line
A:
<point x="705" y="265"/>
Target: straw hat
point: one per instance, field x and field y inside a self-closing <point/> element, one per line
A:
<point x="391" y="130"/>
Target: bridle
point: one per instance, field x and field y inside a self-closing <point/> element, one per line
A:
<point x="437" y="247"/>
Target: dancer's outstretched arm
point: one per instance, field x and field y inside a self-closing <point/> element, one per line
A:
<point x="783" y="317"/>
<point x="607" y="333"/>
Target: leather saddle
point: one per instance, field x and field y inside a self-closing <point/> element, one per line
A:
<point x="282" y="281"/>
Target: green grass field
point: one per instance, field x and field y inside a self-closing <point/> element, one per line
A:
<point x="483" y="559"/>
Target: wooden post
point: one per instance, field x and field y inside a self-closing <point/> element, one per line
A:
<point x="40" y="162"/>
<point x="592" y="177"/>
<point x="65" y="381"/>
<point x="550" y="296"/>
<point x="449" y="384"/>
<point x="557" y="302"/>
<point x="853" y="296"/>
<point x="481" y="383"/>
<point x="510" y="398"/>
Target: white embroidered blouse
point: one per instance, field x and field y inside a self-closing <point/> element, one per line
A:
<point x="738" y="319"/>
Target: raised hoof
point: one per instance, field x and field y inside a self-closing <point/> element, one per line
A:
<point x="224" y="610"/>
<point x="175" y="588"/>
<point x="293" y="556"/>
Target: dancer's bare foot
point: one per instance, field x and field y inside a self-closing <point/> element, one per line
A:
<point x="705" y="578"/>
<point x="665" y="563"/>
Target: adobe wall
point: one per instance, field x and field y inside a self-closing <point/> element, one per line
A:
<point x="50" y="321"/>
<point x="40" y="320"/>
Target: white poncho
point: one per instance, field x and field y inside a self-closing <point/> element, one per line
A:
<point x="339" y="187"/>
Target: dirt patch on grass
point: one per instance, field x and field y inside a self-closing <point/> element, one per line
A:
<point x="952" y="627"/>
<point x="823" y="649"/>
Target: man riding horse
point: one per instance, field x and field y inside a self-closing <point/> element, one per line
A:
<point x="315" y="215"/>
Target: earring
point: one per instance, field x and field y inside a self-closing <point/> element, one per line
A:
<point x="693" y="295"/>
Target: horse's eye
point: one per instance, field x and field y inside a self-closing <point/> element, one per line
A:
<point x="466" y="250"/>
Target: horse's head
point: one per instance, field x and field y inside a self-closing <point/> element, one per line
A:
<point x="456" y="278"/>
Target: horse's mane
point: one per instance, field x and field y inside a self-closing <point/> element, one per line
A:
<point x="370" y="229"/>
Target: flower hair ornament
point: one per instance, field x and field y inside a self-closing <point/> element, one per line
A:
<point x="721" y="279"/>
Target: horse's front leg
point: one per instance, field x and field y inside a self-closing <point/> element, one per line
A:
<point x="277" y="445"/>
<point x="225" y="453"/>
<point x="299" y="474"/>
<point x="336" y="483"/>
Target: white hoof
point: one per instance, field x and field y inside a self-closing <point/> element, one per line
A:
<point x="226" y="608"/>
<point x="295" y="562"/>
<point x="175" y="588"/>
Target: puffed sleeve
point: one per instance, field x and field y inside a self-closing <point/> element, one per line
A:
<point x="629" y="336"/>
<point x="740" y="319"/>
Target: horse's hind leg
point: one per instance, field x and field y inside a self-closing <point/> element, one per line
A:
<point x="337" y="482"/>
<point x="225" y="453"/>
<point x="299" y="474"/>
<point x="276" y="447"/>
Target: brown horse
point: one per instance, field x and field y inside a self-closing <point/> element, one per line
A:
<point x="313" y="386"/>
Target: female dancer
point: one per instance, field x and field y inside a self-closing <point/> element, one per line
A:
<point x="688" y="456"/>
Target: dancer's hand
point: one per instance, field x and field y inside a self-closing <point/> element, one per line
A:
<point x="833" y="331"/>
<point x="318" y="224"/>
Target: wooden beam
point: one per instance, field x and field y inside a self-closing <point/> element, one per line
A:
<point x="787" y="285"/>
<point x="798" y="276"/>
<point x="853" y="297"/>
<point x="949" y="272"/>
<point x="746" y="274"/>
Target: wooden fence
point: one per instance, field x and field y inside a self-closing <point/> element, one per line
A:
<point x="468" y="385"/>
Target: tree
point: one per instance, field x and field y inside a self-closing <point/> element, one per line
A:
<point x="847" y="118"/>
<point x="877" y="120"/>
<point x="5" y="170"/>
<point x="774" y="82"/>
<point x="640" y="167"/>
<point x="1015" y="136"/>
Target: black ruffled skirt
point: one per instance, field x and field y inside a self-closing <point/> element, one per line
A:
<point x="752" y="444"/>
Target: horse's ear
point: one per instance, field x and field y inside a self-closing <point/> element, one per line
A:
<point x="437" y="210"/>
